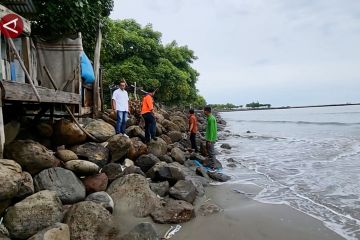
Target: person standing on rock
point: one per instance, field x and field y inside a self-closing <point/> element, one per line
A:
<point x="210" y="136"/>
<point x="147" y="107"/>
<point x="193" y="128"/>
<point x="120" y="104"/>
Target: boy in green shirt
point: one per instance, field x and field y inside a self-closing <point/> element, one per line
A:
<point x="210" y="136"/>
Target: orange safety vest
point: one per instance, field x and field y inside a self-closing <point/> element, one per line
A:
<point x="147" y="104"/>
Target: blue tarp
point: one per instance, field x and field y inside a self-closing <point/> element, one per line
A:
<point x="87" y="71"/>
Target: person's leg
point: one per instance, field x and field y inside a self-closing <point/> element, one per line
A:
<point x="193" y="141"/>
<point x="147" y="127"/>
<point x="211" y="153"/>
<point x="153" y="127"/>
<point x="118" y="122"/>
<point x="123" y="122"/>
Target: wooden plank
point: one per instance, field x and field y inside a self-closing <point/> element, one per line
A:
<point x="15" y="91"/>
<point x="26" y="50"/>
<point x="2" y="132"/>
<point x="96" y="98"/>
<point x="27" y="26"/>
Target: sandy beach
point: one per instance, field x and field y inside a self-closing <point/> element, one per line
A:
<point x="246" y="219"/>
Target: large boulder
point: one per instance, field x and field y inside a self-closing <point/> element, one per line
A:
<point x="119" y="146"/>
<point x="93" y="152"/>
<point x="87" y="220"/>
<point x="160" y="188"/>
<point x="136" y="149"/>
<point x="169" y="125"/>
<point x="102" y="198"/>
<point x="159" y="117"/>
<point x="64" y="182"/>
<point x="68" y="133"/>
<point x="26" y="186"/>
<point x="166" y="158"/>
<point x="66" y="155"/>
<point x="10" y="179"/>
<point x="173" y="211"/>
<point x="58" y="231"/>
<point x="95" y="183"/>
<point x="100" y="129"/>
<point x="145" y="162"/>
<point x="33" y="214"/>
<point x="132" y="194"/>
<point x="166" y="138"/>
<point x="175" y="136"/>
<point x="183" y="190"/>
<point x="157" y="147"/>
<point x="165" y="172"/>
<point x="44" y="130"/>
<point x="180" y="121"/>
<point x="82" y="167"/>
<point x="32" y="156"/>
<point x="142" y="231"/>
<point x="131" y="170"/>
<point x="135" y="131"/>
<point x="178" y="155"/>
<point x="112" y="171"/>
<point x="220" y="177"/>
<point x="159" y="129"/>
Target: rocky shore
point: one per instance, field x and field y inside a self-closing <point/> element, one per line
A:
<point x="57" y="184"/>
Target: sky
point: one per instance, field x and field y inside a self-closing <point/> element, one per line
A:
<point x="281" y="52"/>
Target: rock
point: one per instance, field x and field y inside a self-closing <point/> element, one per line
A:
<point x="198" y="157"/>
<point x="209" y="209"/>
<point x="33" y="214"/>
<point x="95" y="183"/>
<point x="32" y="156"/>
<point x="173" y="211"/>
<point x="183" y="190"/>
<point x="135" y="131"/>
<point x="161" y="188"/>
<point x="225" y="146"/>
<point x="112" y="171"/>
<point x="82" y="167"/>
<point x="169" y="126"/>
<point x="131" y="170"/>
<point x="66" y="155"/>
<point x="158" y="147"/>
<point x="4" y="204"/>
<point x="166" y="138"/>
<point x="175" y="136"/>
<point x="87" y="220"/>
<point x="58" y="231"/>
<point x="11" y="131"/>
<point x="128" y="163"/>
<point x="10" y="179"/>
<point x="231" y="165"/>
<point x="145" y="162"/>
<point x="68" y="133"/>
<point x="220" y="177"/>
<point x="159" y="117"/>
<point x="4" y="237"/>
<point x="166" y="158"/>
<point x="102" y="198"/>
<point x="26" y="186"/>
<point x="231" y="160"/>
<point x="159" y="129"/>
<point x="100" y="129"/>
<point x="4" y="233"/>
<point x="93" y="152"/>
<point x="44" y="130"/>
<point x="202" y="172"/>
<point x="64" y="182"/>
<point x="119" y="146"/>
<point x="142" y="231"/>
<point x="178" y="155"/>
<point x="164" y="172"/>
<point x="132" y="193"/>
<point x="136" y="149"/>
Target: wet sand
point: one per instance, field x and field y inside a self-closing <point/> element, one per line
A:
<point x="246" y="219"/>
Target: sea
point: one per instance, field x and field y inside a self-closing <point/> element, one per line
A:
<point x="306" y="158"/>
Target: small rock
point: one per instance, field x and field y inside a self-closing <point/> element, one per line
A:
<point x="82" y="167"/>
<point x="202" y="172"/>
<point x="66" y="155"/>
<point x="178" y="155"/>
<point x="161" y="188"/>
<point x="10" y="179"/>
<point x="100" y="129"/>
<point x="4" y="231"/>
<point x="136" y="149"/>
<point x="220" y="177"/>
<point x="166" y="158"/>
<point x="64" y="182"/>
<point x="128" y="163"/>
<point x="231" y="160"/>
<point x="231" y="165"/>
<point x="225" y="146"/>
<point x="68" y="133"/>
<point x="166" y="138"/>
<point x="173" y="211"/>
<point x="135" y="131"/>
<point x="158" y="147"/>
<point x="208" y="209"/>
<point x="119" y="146"/>
<point x="142" y="231"/>
<point x="26" y="186"/>
<point x="93" y="152"/>
<point x="131" y="170"/>
<point x="183" y="190"/>
<point x="103" y="199"/>
<point x="145" y="162"/>
<point x="112" y="171"/>
<point x="58" y="231"/>
<point x="95" y="183"/>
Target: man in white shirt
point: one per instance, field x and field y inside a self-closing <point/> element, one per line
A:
<point x="120" y="104"/>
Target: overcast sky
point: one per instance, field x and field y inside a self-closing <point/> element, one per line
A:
<point x="282" y="52"/>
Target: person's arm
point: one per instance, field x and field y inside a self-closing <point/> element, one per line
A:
<point x="113" y="104"/>
<point x="191" y="127"/>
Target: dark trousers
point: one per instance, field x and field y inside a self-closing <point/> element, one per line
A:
<point x="150" y="126"/>
<point x="210" y="147"/>
<point x="193" y="141"/>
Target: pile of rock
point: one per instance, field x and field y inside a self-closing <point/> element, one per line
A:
<point x="63" y="187"/>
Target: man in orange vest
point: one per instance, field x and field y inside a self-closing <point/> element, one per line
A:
<point x="147" y="107"/>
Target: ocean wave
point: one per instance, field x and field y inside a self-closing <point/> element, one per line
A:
<point x="300" y="122"/>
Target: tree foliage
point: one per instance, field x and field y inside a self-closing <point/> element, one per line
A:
<point x="257" y="105"/>
<point x="227" y="106"/>
<point x="67" y="17"/>
<point x="137" y="54"/>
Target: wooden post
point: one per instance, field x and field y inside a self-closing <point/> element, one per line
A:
<point x="2" y="132"/>
<point x="96" y="71"/>
<point x="101" y="90"/>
